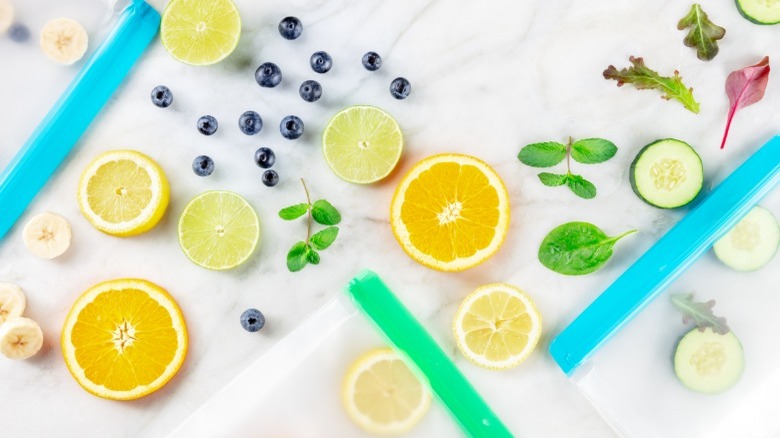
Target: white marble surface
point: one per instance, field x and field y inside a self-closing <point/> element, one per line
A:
<point x="487" y="78"/>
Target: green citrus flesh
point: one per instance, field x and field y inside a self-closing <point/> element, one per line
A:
<point x="200" y="32"/>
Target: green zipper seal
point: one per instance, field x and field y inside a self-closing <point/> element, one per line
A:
<point x="404" y="332"/>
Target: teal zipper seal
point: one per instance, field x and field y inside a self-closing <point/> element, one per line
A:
<point x="408" y="336"/>
<point x="65" y="123"/>
<point x="677" y="250"/>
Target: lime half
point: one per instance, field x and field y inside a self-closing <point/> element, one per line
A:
<point x="219" y="230"/>
<point x="200" y="32"/>
<point x="362" y="144"/>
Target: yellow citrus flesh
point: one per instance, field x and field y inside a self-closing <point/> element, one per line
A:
<point x="450" y="212"/>
<point x="200" y="32"/>
<point x="382" y="395"/>
<point x="123" y="193"/>
<point x="124" y="339"/>
<point x="497" y="326"/>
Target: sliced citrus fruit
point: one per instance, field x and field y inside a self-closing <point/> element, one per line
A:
<point x="382" y="395"/>
<point x="124" y="339"/>
<point x="200" y="32"/>
<point x="362" y="144"/>
<point x="450" y="212"/>
<point x="123" y="193"/>
<point x="497" y="326"/>
<point x="219" y="230"/>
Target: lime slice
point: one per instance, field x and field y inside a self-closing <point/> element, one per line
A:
<point x="362" y="144"/>
<point x="200" y="32"/>
<point x="218" y="230"/>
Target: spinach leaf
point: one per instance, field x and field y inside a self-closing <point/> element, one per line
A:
<point x="577" y="248"/>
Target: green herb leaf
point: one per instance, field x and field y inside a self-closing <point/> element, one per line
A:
<point x="324" y="238"/>
<point x="703" y="33"/>
<point x="581" y="187"/>
<point x="699" y="313"/>
<point x="577" y="248"/>
<point x="293" y="211"/>
<point x="324" y="213"/>
<point x="593" y="150"/>
<point x="644" y="78"/>
<point x="297" y="257"/>
<point x="545" y="154"/>
<point x="312" y="256"/>
<point x="552" y="179"/>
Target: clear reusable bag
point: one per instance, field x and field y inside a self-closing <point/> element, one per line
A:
<point x="620" y="353"/>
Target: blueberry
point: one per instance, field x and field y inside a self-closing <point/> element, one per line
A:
<point x="162" y="96"/>
<point x="372" y="61"/>
<point x="207" y="125"/>
<point x="268" y="75"/>
<point x="321" y="62"/>
<point x="203" y="165"/>
<point x="250" y="123"/>
<point x="290" y="28"/>
<point x="252" y="320"/>
<point x="291" y="127"/>
<point x="400" y="88"/>
<point x="310" y="91"/>
<point x="265" y="157"/>
<point x="270" y="178"/>
<point x="19" y="33"/>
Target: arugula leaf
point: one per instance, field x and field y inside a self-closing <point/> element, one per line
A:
<point x="577" y="248"/>
<point x="581" y="187"/>
<point x="544" y="154"/>
<point x="593" y="150"/>
<point x="700" y="313"/>
<point x="552" y="179"/>
<point x="643" y="77"/>
<point x="324" y="213"/>
<point x="324" y="238"/>
<point x="703" y="33"/>
<point x="293" y="211"/>
<point x="297" y="257"/>
<point x="312" y="256"/>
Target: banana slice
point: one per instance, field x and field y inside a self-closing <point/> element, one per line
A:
<point x="12" y="301"/>
<point x="6" y="15"/>
<point x="20" y="338"/>
<point x="64" y="40"/>
<point x="47" y="235"/>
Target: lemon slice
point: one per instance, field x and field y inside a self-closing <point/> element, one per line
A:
<point x="362" y="144"/>
<point x="382" y="395"/>
<point x="123" y="193"/>
<point x="450" y="212"/>
<point x="219" y="230"/>
<point x="124" y="339"/>
<point x="200" y="32"/>
<point x="497" y="326"/>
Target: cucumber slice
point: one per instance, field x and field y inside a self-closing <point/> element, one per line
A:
<point x="752" y="243"/>
<point x="708" y="362"/>
<point x="667" y="173"/>
<point x="760" y="11"/>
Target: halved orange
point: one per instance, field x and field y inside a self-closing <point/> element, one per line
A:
<point x="450" y="212"/>
<point x="124" y="339"/>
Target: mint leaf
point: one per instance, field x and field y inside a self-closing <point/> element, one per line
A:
<point x="325" y="213"/>
<point x="324" y="238"/>
<point x="577" y="248"/>
<point x="593" y="150"/>
<point x="293" y="211"/>
<point x="581" y="187"/>
<point x="296" y="258"/>
<point x="552" y="179"/>
<point x="312" y="256"/>
<point x="643" y="78"/>
<point x="545" y="154"/>
<point x="703" y="33"/>
<point x="699" y="313"/>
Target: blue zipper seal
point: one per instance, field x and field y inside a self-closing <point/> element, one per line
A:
<point x="678" y="249"/>
<point x="65" y="123"/>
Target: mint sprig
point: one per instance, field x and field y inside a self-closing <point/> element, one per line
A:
<point x="321" y="211"/>
<point x="550" y="153"/>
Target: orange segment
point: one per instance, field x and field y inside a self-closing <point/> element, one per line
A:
<point x="124" y="339"/>
<point x="450" y="212"/>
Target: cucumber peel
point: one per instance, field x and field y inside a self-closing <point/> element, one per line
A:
<point x="752" y="243"/>
<point x="667" y="173"/>
<point x="708" y="362"/>
<point x="765" y="12"/>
